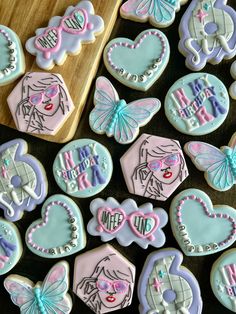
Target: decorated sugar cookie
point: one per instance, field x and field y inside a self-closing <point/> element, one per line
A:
<point x="154" y="167"/>
<point x="10" y="246"/>
<point x="12" y="59"/>
<point x="232" y="89"/>
<point x="83" y="168"/>
<point x="223" y="279"/>
<point x="160" y="13"/>
<point x="60" y="232"/>
<point x="219" y="165"/>
<point x="127" y="222"/>
<point x="139" y="63"/>
<point x="115" y="117"/>
<point x="49" y="296"/>
<point x="106" y="283"/>
<point x="167" y="287"/>
<point x="207" y="33"/>
<point x="200" y="227"/>
<point x="40" y="103"/>
<point x="197" y="104"/>
<point x="23" y="180"/>
<point x="64" y="35"/>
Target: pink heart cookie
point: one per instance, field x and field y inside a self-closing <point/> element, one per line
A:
<point x="110" y="220"/>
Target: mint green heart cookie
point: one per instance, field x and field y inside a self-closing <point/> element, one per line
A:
<point x="60" y="232"/>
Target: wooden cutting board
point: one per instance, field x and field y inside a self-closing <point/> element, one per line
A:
<point x="24" y="17"/>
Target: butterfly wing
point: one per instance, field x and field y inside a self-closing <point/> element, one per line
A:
<point x="213" y="161"/>
<point x="105" y="100"/>
<point x="21" y="293"/>
<point x="132" y="116"/>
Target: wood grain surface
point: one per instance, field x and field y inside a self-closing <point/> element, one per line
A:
<point x="24" y="17"/>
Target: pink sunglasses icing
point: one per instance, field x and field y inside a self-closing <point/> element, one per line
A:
<point x="51" y="92"/>
<point x="119" y="286"/>
<point x="157" y="164"/>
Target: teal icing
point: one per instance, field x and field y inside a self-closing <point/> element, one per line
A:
<point x="231" y="158"/>
<point x="119" y="105"/>
<point x="39" y="300"/>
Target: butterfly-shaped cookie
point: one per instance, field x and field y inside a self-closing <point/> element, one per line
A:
<point x="219" y="164"/>
<point x="48" y="297"/>
<point x="115" y="117"/>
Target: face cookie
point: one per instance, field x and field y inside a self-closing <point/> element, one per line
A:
<point x="12" y="59"/>
<point x="232" y="89"/>
<point x="207" y="33"/>
<point x="83" y="168"/>
<point x="200" y="227"/>
<point x="23" y="180"/>
<point x="154" y="167"/>
<point x="223" y="279"/>
<point x="197" y="104"/>
<point x="115" y="117"/>
<point x="139" y="63"/>
<point x="159" y="13"/>
<point x="40" y="103"/>
<point x="64" y="35"/>
<point x="127" y="222"/>
<point x="10" y="246"/>
<point x="167" y="287"/>
<point x="219" y="165"/>
<point x="60" y="232"/>
<point x="107" y="281"/>
<point x="49" y="296"/>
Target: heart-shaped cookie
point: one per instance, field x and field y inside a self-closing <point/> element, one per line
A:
<point x="110" y="220"/>
<point x="49" y="41"/>
<point x="75" y="23"/>
<point x="199" y="227"/>
<point x="144" y="225"/>
<point x="60" y="232"/>
<point x="139" y="63"/>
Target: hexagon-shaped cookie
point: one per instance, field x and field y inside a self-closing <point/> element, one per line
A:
<point x="154" y="167"/>
<point x="40" y="103"/>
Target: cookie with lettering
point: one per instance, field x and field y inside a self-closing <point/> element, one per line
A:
<point x="201" y="228"/>
<point x="139" y="63"/>
<point x="207" y="33"/>
<point x="49" y="296"/>
<point x="165" y="286"/>
<point x="10" y="246"/>
<point x="159" y="13"/>
<point x="154" y="167"/>
<point x="197" y="104"/>
<point x="65" y="35"/>
<point x="12" y="59"/>
<point x="232" y="89"/>
<point x="23" y="180"/>
<point x="104" y="279"/>
<point x="127" y="222"/>
<point x="60" y="232"/>
<point x="223" y="279"/>
<point x="83" y="168"/>
<point x="219" y="165"/>
<point x="115" y="117"/>
<point x="40" y="103"/>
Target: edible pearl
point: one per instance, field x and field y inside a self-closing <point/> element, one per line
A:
<point x="134" y="78"/>
<point x="190" y="248"/>
<point x="142" y="78"/>
<point x="149" y="73"/>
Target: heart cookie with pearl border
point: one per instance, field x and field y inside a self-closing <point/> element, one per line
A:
<point x="60" y="232"/>
<point x="200" y="227"/>
<point x="139" y="63"/>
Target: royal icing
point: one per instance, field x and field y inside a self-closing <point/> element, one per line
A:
<point x="49" y="296"/>
<point x="127" y="222"/>
<point x="154" y="167"/>
<point x="83" y="168"/>
<point x="64" y="35"/>
<point x="207" y="33"/>
<point x="106" y="283"/>
<point x="219" y="165"/>
<point x="23" y="180"/>
<point x="167" y="287"/>
<point x="12" y="59"/>
<point x="232" y="89"/>
<point x="197" y="104"/>
<point x="115" y="117"/>
<point x="223" y="279"/>
<point x="60" y="232"/>
<point x="160" y="13"/>
<point x="10" y="246"/>
<point x="139" y="63"/>
<point x="215" y="229"/>
<point x="40" y="103"/>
